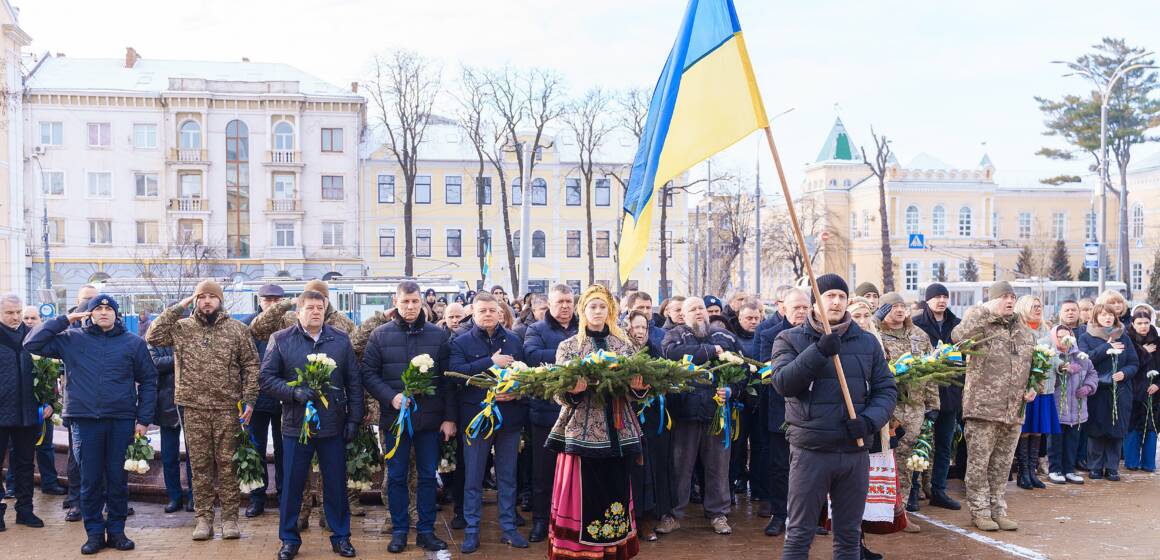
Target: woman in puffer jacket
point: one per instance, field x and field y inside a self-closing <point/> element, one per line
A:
<point x="1076" y="379"/>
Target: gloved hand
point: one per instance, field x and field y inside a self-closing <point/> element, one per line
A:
<point x="857" y="428"/>
<point x="350" y="432"/>
<point x="931" y="415"/>
<point x="830" y="344"/>
<point x="304" y="394"/>
<point x="1074" y="368"/>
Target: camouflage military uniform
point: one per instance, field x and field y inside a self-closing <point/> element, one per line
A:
<point x="216" y="366"/>
<point x="272" y="320"/>
<point x="996" y="381"/>
<point x="912" y="405"/>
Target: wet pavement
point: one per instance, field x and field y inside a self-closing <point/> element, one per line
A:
<point x="1101" y="519"/>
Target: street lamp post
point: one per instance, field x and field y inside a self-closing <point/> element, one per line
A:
<point x="1105" y="177"/>
<point x="525" y="217"/>
<point x="44" y="225"/>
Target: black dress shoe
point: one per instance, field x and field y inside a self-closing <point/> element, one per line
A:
<point x="940" y="499"/>
<point x="189" y="506"/>
<point x="821" y="531"/>
<point x="10" y="493"/>
<point x="173" y="506"/>
<point x="775" y="527"/>
<point x="54" y="490"/>
<point x="398" y="543"/>
<point x="131" y="511"/>
<point x="539" y="531"/>
<point x="3" y="508"/>
<point x="256" y="508"/>
<point x="120" y="542"/>
<point x="1110" y="475"/>
<point x="288" y="551"/>
<point x="343" y="548"/>
<point x="29" y="519"/>
<point x="458" y="522"/>
<point x="520" y="521"/>
<point x="1096" y="474"/>
<point x="73" y="514"/>
<point x="93" y="545"/>
<point x="430" y="543"/>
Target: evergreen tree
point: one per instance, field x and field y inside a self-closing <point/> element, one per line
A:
<point x="940" y="273"/>
<point x="1060" y="262"/>
<point x="970" y="271"/>
<point x="1025" y="264"/>
<point x="1154" y="282"/>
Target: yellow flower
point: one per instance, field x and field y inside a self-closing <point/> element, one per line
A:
<point x="617" y="508"/>
<point x="606" y="531"/>
<point x="593" y="530"/>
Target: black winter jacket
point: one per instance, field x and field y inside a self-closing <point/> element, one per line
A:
<point x="287" y="352"/>
<point x="166" y="415"/>
<point x="540" y="342"/>
<point x="388" y="354"/>
<point x="814" y="407"/>
<point x="18" y="406"/>
<point x="950" y="397"/>
<point x="698" y="405"/>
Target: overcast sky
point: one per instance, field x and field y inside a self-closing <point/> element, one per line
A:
<point x="941" y="78"/>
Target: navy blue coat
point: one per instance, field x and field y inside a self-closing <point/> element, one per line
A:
<point x="540" y="342"/>
<point x="950" y="397"/>
<point x="815" y="409"/>
<point x="110" y="374"/>
<point x="1100" y="422"/>
<point x="772" y="401"/>
<point x="471" y="354"/>
<point x="287" y="352"/>
<point x="388" y="354"/>
<point x="166" y="415"/>
<point x="768" y="330"/>
<point x="264" y="402"/>
<point x="18" y="406"/>
<point x="698" y="405"/>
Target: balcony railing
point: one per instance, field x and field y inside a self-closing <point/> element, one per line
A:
<point x="284" y="205"/>
<point x="189" y="204"/>
<point x="284" y="157"/>
<point x="188" y="155"/>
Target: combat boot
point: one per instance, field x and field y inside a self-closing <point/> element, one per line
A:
<point x="204" y="529"/>
<point x="1005" y="523"/>
<point x="986" y="524"/>
<point x="230" y="529"/>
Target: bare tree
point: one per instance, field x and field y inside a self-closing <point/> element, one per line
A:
<point x="631" y="114"/>
<point x="403" y="86"/>
<point x="733" y="227"/>
<point x="878" y="166"/>
<point x="470" y="115"/>
<point x="521" y="100"/>
<point x="587" y="119"/>
<point x="779" y="245"/>
<point x="173" y="271"/>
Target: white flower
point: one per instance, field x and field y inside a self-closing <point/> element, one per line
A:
<point x="423" y="362"/>
<point x="56" y="421"/>
<point x="752" y="368"/>
<point x="311" y="357"/>
<point x="1114" y="352"/>
<point x="130" y="465"/>
<point x="518" y="366"/>
<point x="1152" y="374"/>
<point x="1082" y="356"/>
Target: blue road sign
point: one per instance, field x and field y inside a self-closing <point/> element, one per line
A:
<point x="917" y="241"/>
<point x="47" y="310"/>
<point x="1091" y="255"/>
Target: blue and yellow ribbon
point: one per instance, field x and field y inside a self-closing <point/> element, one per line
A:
<point x="403" y="422"/>
<point x="666" y="422"/>
<point x="489" y="415"/>
<point x="40" y="420"/>
<point x="728" y="415"/>
<point x="765" y="372"/>
<point x="309" y="417"/>
<point x="687" y="362"/>
<point x="601" y="357"/>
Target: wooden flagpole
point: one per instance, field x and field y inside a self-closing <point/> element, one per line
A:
<point x="797" y="231"/>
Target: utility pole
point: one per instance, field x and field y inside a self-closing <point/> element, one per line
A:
<point x="741" y="249"/>
<point x="696" y="248"/>
<point x="708" y="282"/>
<point x="44" y="226"/>
<point x="757" y="226"/>
<point x="525" y="220"/>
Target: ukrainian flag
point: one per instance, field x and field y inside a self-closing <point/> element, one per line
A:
<point x="705" y="101"/>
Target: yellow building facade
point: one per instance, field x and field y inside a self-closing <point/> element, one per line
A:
<point x="13" y="231"/>
<point x="446" y="215"/>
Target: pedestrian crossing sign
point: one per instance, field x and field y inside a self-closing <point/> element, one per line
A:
<point x="917" y="241"/>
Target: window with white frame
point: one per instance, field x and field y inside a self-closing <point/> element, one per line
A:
<point x="855" y="233"/>
<point x="423" y="242"/>
<point x="865" y="223"/>
<point x="1137" y="221"/>
<point x="422" y="189"/>
<point x="386" y="242"/>
<point x="539" y="244"/>
<point x="961" y="270"/>
<point x="283" y="234"/>
<point x="56" y="231"/>
<point x="517" y="192"/>
<point x="100" y="232"/>
<point x="938" y="270"/>
<point x="966" y="221"/>
<point x="52" y="183"/>
<point x="454" y="243"/>
<point x="603" y="193"/>
<point x="190" y="185"/>
<point x="189" y="231"/>
<point x="911" y="219"/>
<point x="910" y="276"/>
<point x="1089" y="228"/>
<point x="453" y="189"/>
<point x="100" y="184"/>
<point x="146" y="232"/>
<point x="1059" y="225"/>
<point x="190" y="135"/>
<point x="332" y="234"/>
<point x="386" y="188"/>
<point x="539" y="192"/>
<point x="283" y="136"/>
<point x="145" y="185"/>
<point x="667" y="248"/>
<point x="332" y="139"/>
<point x="1025" y="225"/>
<point x="332" y="188"/>
<point x="603" y="243"/>
<point x="1137" y="277"/>
<point x="51" y="133"/>
<point x="995" y="225"/>
<point x="284" y="186"/>
<point x="573" y="236"/>
<point x="144" y="136"/>
<point x="100" y="135"/>
<point x="483" y="190"/>
<point x="938" y="220"/>
<point x="575" y="286"/>
<point x="572" y="191"/>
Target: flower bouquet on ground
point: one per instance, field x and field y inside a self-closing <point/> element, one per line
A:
<point x="46" y="391"/>
<point x="247" y="461"/>
<point x="315" y="376"/>
<point x="1115" y="354"/>
<point x="417" y="380"/>
<point x="363" y="460"/>
<point x="447" y="457"/>
<point x="138" y="455"/>
<point x="919" y="460"/>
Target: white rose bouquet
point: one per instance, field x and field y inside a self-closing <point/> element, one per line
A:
<point x="248" y="462"/>
<point x="418" y="379"/>
<point x="138" y="455"/>
<point x="363" y="460"/>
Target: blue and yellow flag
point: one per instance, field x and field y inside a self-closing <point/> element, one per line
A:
<point x="487" y="261"/>
<point x="705" y="101"/>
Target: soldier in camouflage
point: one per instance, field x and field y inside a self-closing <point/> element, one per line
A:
<point x="216" y="366"/>
<point x="993" y="402"/>
<point x="899" y="336"/>
<point x="281" y="316"/>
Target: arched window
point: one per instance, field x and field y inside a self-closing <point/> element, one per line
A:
<point x="330" y="276"/>
<point x="938" y="218"/>
<point x="284" y="136"/>
<point x="1138" y="221"/>
<point x="190" y="135"/>
<point x="237" y="190"/>
<point x="965" y="222"/>
<point x="539" y="192"/>
<point x="539" y="244"/>
<point x="911" y="219"/>
<point x="517" y="192"/>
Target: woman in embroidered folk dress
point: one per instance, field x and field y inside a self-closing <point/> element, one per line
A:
<point x="592" y="509"/>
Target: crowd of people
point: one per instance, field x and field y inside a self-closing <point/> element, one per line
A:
<point x="597" y="477"/>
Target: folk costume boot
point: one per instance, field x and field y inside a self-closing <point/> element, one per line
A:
<point x="1032" y="461"/>
<point x="1021" y="464"/>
